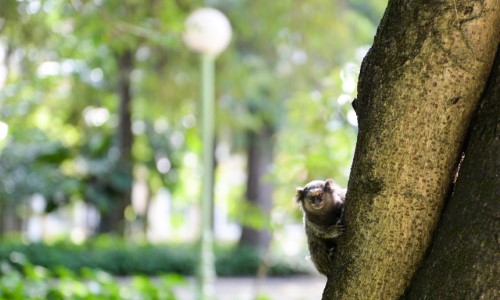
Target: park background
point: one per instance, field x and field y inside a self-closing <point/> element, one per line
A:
<point x="100" y="148"/>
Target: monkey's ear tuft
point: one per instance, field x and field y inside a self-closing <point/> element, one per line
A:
<point x="299" y="195"/>
<point x="329" y="185"/>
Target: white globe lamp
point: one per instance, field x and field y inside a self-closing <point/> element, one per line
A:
<point x="207" y="31"/>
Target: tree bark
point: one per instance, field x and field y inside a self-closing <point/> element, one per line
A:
<point x="418" y="88"/>
<point x="463" y="260"/>
<point x="259" y="193"/>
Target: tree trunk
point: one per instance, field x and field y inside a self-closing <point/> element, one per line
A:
<point x="259" y="193"/>
<point x="418" y="87"/>
<point x="145" y="216"/>
<point x="2" y="217"/>
<point x="10" y="222"/>
<point x="113" y="219"/>
<point x="463" y="260"/>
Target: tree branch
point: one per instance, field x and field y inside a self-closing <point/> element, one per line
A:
<point x="419" y="86"/>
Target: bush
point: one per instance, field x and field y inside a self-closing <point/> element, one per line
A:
<point x="246" y="262"/>
<point x="117" y="260"/>
<point x="20" y="280"/>
<point x="242" y="261"/>
<point x="120" y="258"/>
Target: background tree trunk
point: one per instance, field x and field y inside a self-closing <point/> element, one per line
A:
<point x="259" y="193"/>
<point x="418" y="87"/>
<point x="113" y="219"/>
<point x="10" y="222"/>
<point x="463" y="260"/>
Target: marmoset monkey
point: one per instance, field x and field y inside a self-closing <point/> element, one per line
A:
<point x="322" y="204"/>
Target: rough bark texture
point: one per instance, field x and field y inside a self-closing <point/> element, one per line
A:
<point x="464" y="259"/>
<point x="418" y="87"/>
<point x="259" y="192"/>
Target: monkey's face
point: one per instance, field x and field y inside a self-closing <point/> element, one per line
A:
<point x="314" y="200"/>
<point x="314" y="195"/>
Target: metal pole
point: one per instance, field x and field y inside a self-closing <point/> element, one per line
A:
<point x="207" y="261"/>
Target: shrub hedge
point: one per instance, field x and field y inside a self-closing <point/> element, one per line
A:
<point x="21" y="280"/>
<point x="121" y="258"/>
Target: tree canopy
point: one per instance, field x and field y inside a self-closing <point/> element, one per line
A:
<point x="60" y="100"/>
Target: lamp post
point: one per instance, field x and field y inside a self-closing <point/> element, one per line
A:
<point x="208" y="32"/>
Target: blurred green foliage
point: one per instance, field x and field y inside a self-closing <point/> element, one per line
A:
<point x="59" y="98"/>
<point x="291" y="67"/>
<point x="117" y="257"/>
<point x="20" y="280"/>
<point x="288" y="67"/>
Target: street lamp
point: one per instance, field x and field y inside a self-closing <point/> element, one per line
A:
<point x="207" y="32"/>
